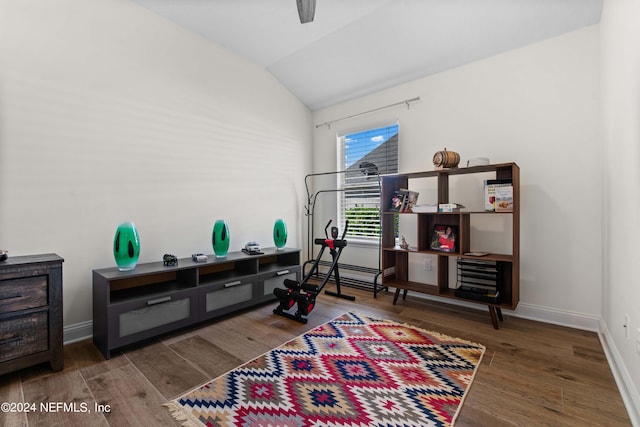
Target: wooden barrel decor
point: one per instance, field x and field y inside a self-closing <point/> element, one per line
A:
<point x="446" y="159"/>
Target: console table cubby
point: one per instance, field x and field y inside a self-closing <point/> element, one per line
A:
<point x="396" y="260"/>
<point x="131" y="306"/>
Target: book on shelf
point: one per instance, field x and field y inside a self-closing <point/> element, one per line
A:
<point x="430" y="208"/>
<point x="450" y="207"/>
<point x="476" y="253"/>
<point x="490" y="186"/>
<point x="397" y="201"/>
<point x="504" y="199"/>
<point x="410" y="200"/>
<point x="403" y="200"/>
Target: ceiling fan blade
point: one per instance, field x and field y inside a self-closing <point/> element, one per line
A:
<point x="306" y="10"/>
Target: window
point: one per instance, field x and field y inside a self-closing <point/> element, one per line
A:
<point x="364" y="156"/>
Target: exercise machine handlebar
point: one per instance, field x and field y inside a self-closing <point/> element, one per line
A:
<point x="338" y="243"/>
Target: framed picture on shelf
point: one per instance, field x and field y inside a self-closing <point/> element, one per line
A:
<point x="444" y="238"/>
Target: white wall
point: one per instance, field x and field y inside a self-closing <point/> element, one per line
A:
<point x="621" y="153"/>
<point x="111" y="113"/>
<point x="536" y="106"/>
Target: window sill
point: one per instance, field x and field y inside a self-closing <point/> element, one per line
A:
<point x="368" y="243"/>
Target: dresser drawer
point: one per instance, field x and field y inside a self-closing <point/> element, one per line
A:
<point x="23" y="293"/>
<point x="24" y="335"/>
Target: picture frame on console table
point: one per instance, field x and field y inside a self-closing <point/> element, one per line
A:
<point x="444" y="238"/>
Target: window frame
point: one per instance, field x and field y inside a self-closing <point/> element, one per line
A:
<point x="365" y="178"/>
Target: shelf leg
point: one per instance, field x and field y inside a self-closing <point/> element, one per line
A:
<point x="395" y="297"/>
<point x="494" y="316"/>
<point x="404" y="295"/>
<point x="499" y="312"/>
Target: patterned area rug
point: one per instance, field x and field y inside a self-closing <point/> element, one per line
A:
<point x="352" y="371"/>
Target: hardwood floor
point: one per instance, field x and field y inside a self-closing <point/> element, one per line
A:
<point x="532" y="374"/>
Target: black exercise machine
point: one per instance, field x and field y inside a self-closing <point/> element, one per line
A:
<point x="304" y="293"/>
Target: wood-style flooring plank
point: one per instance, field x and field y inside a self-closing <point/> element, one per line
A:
<point x="42" y="370"/>
<point x="524" y="387"/>
<point x="599" y="408"/>
<point x="205" y="356"/>
<point x="564" y="373"/>
<point x="11" y="392"/>
<point x="132" y="399"/>
<point x="166" y="370"/>
<point x="506" y="408"/>
<point x="469" y="416"/>
<point x="223" y="335"/>
<point x="90" y="361"/>
<point x="68" y="400"/>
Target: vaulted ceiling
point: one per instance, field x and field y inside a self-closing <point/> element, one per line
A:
<point x="356" y="47"/>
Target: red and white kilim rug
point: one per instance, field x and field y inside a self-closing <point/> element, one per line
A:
<point x="353" y="371"/>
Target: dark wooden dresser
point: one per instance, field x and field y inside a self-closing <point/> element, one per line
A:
<point x="31" y="312"/>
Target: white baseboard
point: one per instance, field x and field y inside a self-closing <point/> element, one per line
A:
<point x="628" y="390"/>
<point x="533" y="312"/>
<point x="554" y="316"/>
<point x="78" y="332"/>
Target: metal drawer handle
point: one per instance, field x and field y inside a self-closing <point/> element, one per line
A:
<point x="232" y="284"/>
<point x="11" y="296"/>
<point x="158" y="300"/>
<point x="10" y="340"/>
<point x="282" y="273"/>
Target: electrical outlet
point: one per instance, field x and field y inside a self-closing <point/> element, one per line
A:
<point x="427" y="265"/>
<point x="627" y="327"/>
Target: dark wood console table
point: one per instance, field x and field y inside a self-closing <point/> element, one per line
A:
<point x="131" y="306"/>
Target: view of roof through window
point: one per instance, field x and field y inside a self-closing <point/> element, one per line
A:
<point x="367" y="144"/>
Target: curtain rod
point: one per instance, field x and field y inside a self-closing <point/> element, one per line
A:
<point x="406" y="102"/>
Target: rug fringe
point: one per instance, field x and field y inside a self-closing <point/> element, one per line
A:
<point x="466" y="392"/>
<point x="178" y="414"/>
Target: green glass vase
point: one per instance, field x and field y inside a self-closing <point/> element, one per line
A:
<point x="280" y="233"/>
<point x="126" y="246"/>
<point x="220" y="238"/>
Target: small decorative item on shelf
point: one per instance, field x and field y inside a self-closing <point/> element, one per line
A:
<point x="446" y="159"/>
<point x="403" y="244"/>
<point x="4" y="255"/>
<point x="169" y="259"/>
<point x="478" y="161"/>
<point x="126" y="246"/>
<point x="280" y="233"/>
<point x="220" y="238"/>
